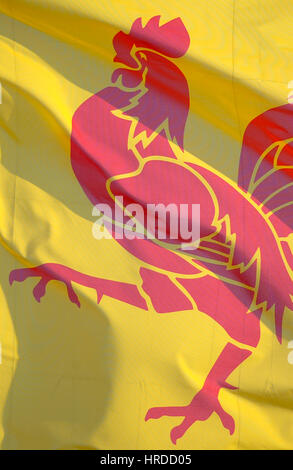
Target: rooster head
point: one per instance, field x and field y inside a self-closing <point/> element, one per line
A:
<point x="145" y="54"/>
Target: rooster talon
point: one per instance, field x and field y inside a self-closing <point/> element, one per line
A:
<point x="72" y="295"/>
<point x="230" y="426"/>
<point x="149" y="415"/>
<point x="176" y="433"/>
<point x="40" y="289"/>
<point x="227" y="420"/>
<point x="76" y="302"/>
<point x="11" y="278"/>
<point x="155" y="413"/>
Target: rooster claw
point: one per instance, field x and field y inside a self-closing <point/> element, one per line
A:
<point x="20" y="275"/>
<point x="200" y="409"/>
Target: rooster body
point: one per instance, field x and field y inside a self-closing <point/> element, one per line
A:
<point x="127" y="140"/>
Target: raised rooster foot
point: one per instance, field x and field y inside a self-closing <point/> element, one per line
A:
<point x="56" y="272"/>
<point x="46" y="273"/>
<point x="201" y="407"/>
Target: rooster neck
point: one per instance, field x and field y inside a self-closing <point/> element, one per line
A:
<point x="157" y="107"/>
<point x="143" y="140"/>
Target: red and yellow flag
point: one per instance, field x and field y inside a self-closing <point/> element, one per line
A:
<point x="146" y="224"/>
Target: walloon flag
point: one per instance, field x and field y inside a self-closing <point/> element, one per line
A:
<point x="146" y="224"/>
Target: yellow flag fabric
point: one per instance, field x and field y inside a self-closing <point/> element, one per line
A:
<point x="81" y="374"/>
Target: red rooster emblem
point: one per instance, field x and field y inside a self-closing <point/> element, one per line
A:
<point x="127" y="140"/>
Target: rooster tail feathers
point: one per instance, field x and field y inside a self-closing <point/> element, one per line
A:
<point x="266" y="175"/>
<point x="266" y="166"/>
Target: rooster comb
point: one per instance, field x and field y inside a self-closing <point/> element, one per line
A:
<point x="170" y="39"/>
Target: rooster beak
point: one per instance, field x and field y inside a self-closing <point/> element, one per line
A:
<point x="120" y="60"/>
<point x="128" y="61"/>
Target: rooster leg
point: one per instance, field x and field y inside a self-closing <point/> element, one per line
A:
<point x="122" y="291"/>
<point x="206" y="401"/>
<point x="156" y="284"/>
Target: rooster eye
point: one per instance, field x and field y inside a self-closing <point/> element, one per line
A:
<point x="142" y="55"/>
